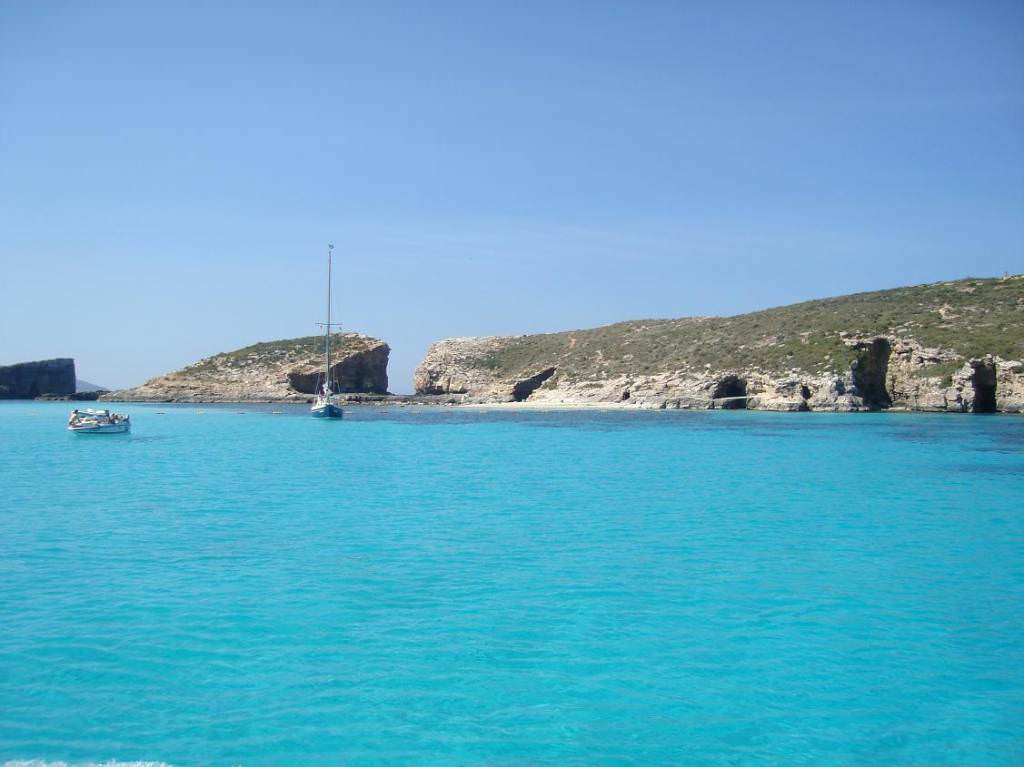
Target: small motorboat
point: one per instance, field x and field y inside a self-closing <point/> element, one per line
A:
<point x="96" y="421"/>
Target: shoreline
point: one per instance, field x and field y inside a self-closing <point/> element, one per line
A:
<point x="447" y="401"/>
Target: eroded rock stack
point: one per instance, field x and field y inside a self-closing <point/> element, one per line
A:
<point x="273" y="371"/>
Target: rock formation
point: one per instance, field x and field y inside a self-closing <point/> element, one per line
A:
<point x="951" y="346"/>
<point x="273" y="371"/>
<point x="28" y="380"/>
<point x="363" y="370"/>
<point x="459" y="366"/>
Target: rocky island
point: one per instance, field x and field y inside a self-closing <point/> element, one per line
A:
<point x="27" y="380"/>
<point x="271" y="371"/>
<point x="951" y="346"/>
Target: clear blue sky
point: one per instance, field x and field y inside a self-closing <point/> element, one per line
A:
<point x="169" y="175"/>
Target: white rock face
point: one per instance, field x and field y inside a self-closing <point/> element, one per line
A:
<point x="458" y="366"/>
<point x="1010" y="386"/>
<point x="888" y="372"/>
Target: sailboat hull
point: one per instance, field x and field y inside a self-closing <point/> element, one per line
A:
<point x="326" y="411"/>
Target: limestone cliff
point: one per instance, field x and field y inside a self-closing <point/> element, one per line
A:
<point x="953" y="346"/>
<point x="272" y="371"/>
<point x="27" y="380"/>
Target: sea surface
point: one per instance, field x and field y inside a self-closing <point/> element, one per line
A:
<point x="231" y="586"/>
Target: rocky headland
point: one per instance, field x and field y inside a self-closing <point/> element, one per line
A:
<point x="951" y="346"/>
<point x="272" y="371"/>
<point x="27" y="380"/>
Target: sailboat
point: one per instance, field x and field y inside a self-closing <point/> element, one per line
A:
<point x="325" y="405"/>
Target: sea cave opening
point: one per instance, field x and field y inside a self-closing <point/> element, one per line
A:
<point x="730" y="394"/>
<point x="869" y="374"/>
<point x="984" y="383"/>
<point x="523" y="389"/>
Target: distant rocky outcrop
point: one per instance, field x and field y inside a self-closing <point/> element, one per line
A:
<point x="272" y="371"/>
<point x="27" y="380"/>
<point x="78" y="396"/>
<point x="951" y="346"/>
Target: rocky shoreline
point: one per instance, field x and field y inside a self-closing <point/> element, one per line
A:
<point x="350" y="398"/>
<point x="945" y="347"/>
<point x="885" y="374"/>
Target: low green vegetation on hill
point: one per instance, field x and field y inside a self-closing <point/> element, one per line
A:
<point x="286" y="350"/>
<point x="967" y="318"/>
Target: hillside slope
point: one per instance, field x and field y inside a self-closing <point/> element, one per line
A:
<point x="271" y="371"/>
<point x="909" y="347"/>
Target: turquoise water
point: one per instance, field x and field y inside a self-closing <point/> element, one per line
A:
<point x="445" y="586"/>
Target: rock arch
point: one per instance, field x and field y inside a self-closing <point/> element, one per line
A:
<point x="733" y="390"/>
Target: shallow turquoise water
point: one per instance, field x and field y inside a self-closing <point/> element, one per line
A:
<point x="441" y="586"/>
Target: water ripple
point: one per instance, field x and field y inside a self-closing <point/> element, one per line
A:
<point x="506" y="588"/>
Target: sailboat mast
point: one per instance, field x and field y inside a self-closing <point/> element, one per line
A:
<point x="327" y="333"/>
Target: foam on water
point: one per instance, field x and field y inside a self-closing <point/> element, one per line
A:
<point x="453" y="586"/>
